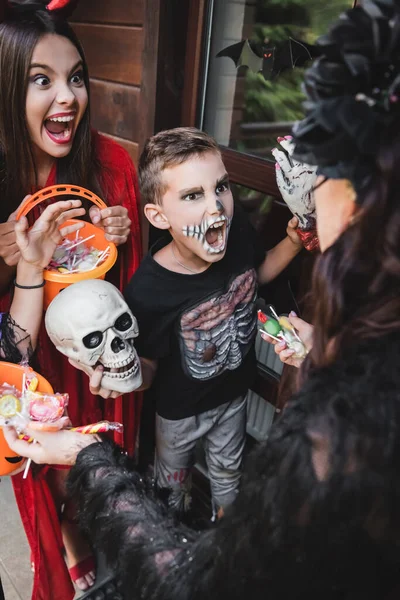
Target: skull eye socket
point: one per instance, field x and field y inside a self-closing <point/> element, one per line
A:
<point x="124" y="322"/>
<point x="92" y="340"/>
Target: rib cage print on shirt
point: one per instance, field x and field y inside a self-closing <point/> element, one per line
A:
<point x="216" y="335"/>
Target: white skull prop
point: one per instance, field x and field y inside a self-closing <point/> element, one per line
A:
<point x="91" y="323"/>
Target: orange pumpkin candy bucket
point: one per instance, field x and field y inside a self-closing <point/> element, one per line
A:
<point x="13" y="375"/>
<point x="56" y="282"/>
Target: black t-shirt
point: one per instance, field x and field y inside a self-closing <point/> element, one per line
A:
<point x="200" y="328"/>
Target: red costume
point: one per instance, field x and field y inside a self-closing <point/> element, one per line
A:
<point x="38" y="512"/>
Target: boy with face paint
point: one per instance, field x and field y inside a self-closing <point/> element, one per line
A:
<point x="194" y="297"/>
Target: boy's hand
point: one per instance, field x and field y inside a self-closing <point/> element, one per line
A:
<point x="95" y="377"/>
<point x="37" y="244"/>
<point x="115" y="222"/>
<point x="291" y="230"/>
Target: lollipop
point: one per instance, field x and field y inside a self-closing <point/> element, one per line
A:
<point x="281" y="329"/>
<point x="46" y="408"/>
<point x="100" y="427"/>
<point x="10" y="406"/>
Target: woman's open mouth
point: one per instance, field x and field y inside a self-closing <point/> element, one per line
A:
<point x="212" y="233"/>
<point x="60" y="128"/>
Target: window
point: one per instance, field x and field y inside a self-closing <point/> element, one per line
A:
<point x="245" y="108"/>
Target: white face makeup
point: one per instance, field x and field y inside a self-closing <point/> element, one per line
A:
<point x="212" y="233"/>
<point x="198" y="207"/>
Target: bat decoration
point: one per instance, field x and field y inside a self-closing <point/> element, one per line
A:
<point x="285" y="56"/>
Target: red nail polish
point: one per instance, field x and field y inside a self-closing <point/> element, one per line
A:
<point x="280" y="139"/>
<point x="288" y="137"/>
<point x="277" y="167"/>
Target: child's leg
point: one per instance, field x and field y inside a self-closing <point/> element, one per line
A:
<point x="224" y="446"/>
<point x="174" y="459"/>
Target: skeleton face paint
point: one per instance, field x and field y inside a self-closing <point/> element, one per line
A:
<point x="198" y="205"/>
<point x="91" y="323"/>
<point x="212" y="233"/>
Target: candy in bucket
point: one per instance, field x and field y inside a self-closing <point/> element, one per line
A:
<point x="88" y="256"/>
<point x="77" y="256"/>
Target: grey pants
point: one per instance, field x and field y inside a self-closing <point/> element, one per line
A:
<point x="223" y="431"/>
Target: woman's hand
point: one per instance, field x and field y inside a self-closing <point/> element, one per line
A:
<point x="95" y="377"/>
<point x="37" y="245"/>
<point x="115" y="222"/>
<point x="9" y="250"/>
<point x="305" y="331"/>
<point x="58" y="447"/>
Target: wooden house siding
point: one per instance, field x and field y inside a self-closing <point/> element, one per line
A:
<point x="123" y="76"/>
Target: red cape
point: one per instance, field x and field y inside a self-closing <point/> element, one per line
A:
<point x="38" y="512"/>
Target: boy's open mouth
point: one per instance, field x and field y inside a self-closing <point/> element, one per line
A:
<point x="212" y="233"/>
<point x="215" y="237"/>
<point x="59" y="129"/>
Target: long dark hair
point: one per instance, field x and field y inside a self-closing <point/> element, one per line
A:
<point x="19" y="33"/>
<point x="356" y="282"/>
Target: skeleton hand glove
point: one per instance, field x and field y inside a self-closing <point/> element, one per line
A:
<point x="296" y="182"/>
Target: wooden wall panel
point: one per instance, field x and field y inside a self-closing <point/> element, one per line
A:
<point x="119" y="12"/>
<point x="147" y="107"/>
<point x="113" y="53"/>
<point x="115" y="108"/>
<point x="131" y="147"/>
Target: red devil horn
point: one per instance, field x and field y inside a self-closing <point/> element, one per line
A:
<point x="58" y="4"/>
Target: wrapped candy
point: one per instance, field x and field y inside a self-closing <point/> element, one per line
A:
<point x="100" y="427"/>
<point x="17" y="408"/>
<point x="46" y="408"/>
<point x="279" y="328"/>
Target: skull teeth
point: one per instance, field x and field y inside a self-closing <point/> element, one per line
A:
<point x="124" y="368"/>
<point x="122" y="374"/>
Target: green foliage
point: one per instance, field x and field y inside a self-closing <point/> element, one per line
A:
<point x="281" y="99"/>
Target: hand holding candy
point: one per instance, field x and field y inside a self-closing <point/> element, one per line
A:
<point x="296" y="182"/>
<point x="283" y="332"/>
<point x="38" y="243"/>
<point x="115" y="222"/>
<point x="286" y="351"/>
<point x="53" y="448"/>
